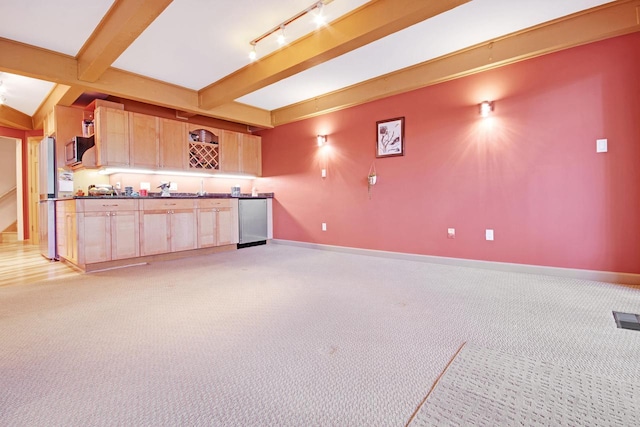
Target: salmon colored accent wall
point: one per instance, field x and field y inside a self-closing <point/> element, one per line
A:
<point x="530" y="171"/>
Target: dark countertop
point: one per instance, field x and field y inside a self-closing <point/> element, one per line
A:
<point x="184" y="196"/>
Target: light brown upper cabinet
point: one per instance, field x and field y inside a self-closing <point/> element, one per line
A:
<point x="63" y="123"/>
<point x="241" y="153"/>
<point x="143" y="141"/>
<point x="112" y="137"/>
<point x="251" y="154"/>
<point x="143" y="137"/>
<point x="173" y="144"/>
<point x="203" y="148"/>
<point x="230" y="152"/>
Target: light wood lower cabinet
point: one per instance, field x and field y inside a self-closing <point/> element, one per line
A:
<point x="97" y="233"/>
<point x="217" y="222"/>
<point x="67" y="230"/>
<point x="167" y="225"/>
<point x="107" y="230"/>
<point x="110" y="236"/>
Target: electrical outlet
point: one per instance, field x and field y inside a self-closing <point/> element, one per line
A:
<point x="173" y="186"/>
<point x="451" y="233"/>
<point x="324" y="226"/>
<point x="601" y="145"/>
<point x="324" y="173"/>
<point x="145" y="186"/>
<point x="489" y="234"/>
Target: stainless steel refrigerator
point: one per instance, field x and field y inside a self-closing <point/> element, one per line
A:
<point x="252" y="215"/>
<point x="48" y="190"/>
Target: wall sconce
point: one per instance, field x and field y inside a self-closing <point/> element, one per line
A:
<point x="486" y="107"/>
<point x="322" y="139"/>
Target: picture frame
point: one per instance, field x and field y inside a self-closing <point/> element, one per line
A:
<point x="390" y="137"/>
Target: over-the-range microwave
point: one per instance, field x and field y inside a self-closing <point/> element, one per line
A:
<point x="74" y="149"/>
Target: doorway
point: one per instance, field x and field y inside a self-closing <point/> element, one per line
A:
<point x="11" y="185"/>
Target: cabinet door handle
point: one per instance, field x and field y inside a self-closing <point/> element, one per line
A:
<point x="106" y="206"/>
<point x="169" y="204"/>
<point x="108" y="214"/>
<point x="113" y="214"/>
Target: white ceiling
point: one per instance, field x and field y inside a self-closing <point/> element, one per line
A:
<point x="194" y="43"/>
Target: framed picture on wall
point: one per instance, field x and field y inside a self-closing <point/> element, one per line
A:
<point x="390" y="137"/>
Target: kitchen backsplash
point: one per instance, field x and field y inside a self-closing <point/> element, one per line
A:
<point x="84" y="177"/>
<point x="184" y="184"/>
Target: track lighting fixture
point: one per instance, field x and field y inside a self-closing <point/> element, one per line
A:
<point x="318" y="19"/>
<point x="281" y="37"/>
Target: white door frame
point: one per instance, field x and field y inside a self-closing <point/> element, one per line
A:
<point x="19" y="187"/>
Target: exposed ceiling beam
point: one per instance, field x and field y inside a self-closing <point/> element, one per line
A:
<point x="12" y="118"/>
<point x="143" y="89"/>
<point x="30" y="61"/>
<point x="122" y="24"/>
<point x="59" y="95"/>
<point x="601" y="22"/>
<point x="368" y="23"/>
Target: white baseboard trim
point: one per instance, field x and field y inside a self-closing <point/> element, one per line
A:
<point x="574" y="273"/>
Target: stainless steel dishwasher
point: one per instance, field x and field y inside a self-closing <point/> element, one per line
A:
<point x="252" y="215"/>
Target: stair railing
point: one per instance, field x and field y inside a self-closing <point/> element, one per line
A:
<point x="8" y="193"/>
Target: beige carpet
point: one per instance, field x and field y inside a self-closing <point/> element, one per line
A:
<point x="284" y="336"/>
<point x="484" y="387"/>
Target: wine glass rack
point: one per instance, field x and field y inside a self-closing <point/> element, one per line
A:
<point x="204" y="150"/>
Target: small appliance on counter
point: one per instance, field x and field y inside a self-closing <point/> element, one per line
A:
<point x="235" y="191"/>
<point x="101" y="190"/>
<point x="164" y="187"/>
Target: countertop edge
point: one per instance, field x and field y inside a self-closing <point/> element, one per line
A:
<point x="177" y="196"/>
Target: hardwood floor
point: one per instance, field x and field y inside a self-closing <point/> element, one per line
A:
<point x="22" y="264"/>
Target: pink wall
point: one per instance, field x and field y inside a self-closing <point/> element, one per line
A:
<point x="530" y="172"/>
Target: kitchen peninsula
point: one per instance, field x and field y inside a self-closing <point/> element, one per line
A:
<point x="100" y="232"/>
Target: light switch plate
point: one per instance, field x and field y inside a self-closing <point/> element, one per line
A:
<point x="451" y="233"/>
<point x="324" y="173"/>
<point x="489" y="234"/>
<point x="601" y="145"/>
<point x="324" y="226"/>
